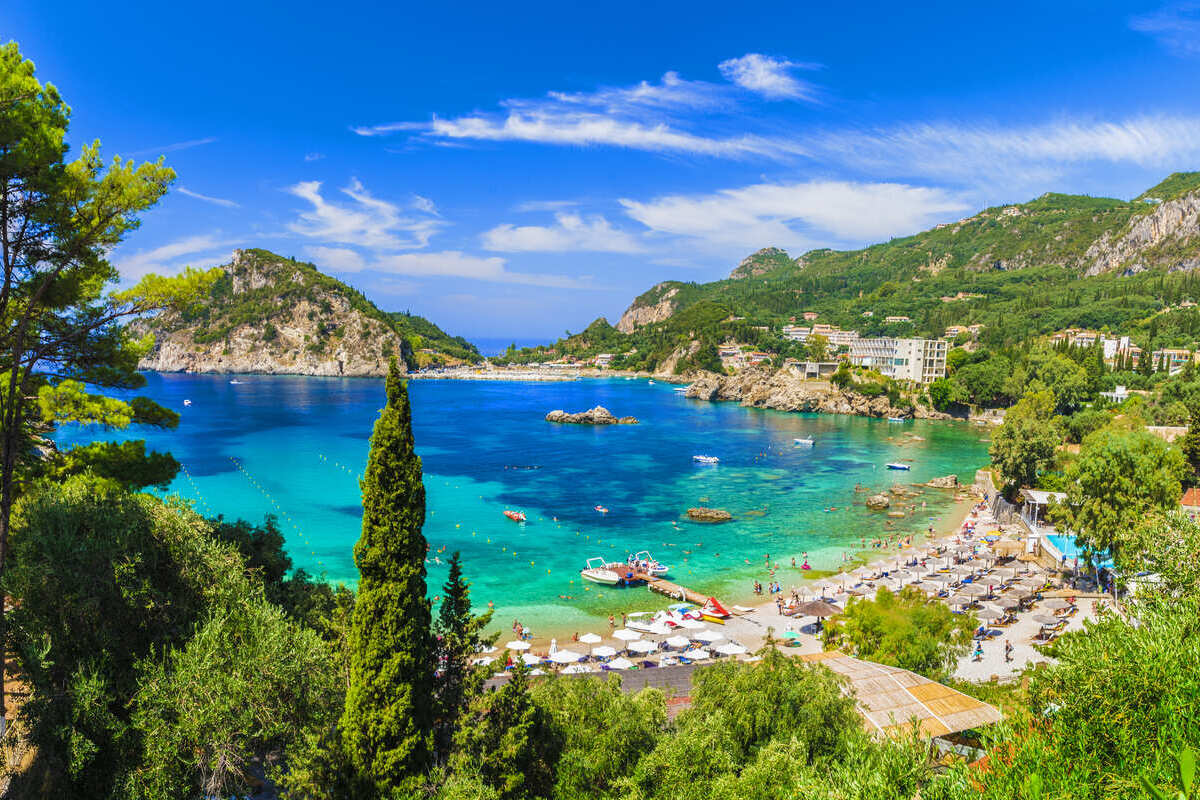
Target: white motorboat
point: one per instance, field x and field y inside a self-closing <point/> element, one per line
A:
<point x="804" y="441"/>
<point x="648" y="563"/>
<point x="706" y="459"/>
<point x="597" y="571"/>
<point x="896" y="465"/>
<point x="680" y="389"/>
<point x="897" y="419"/>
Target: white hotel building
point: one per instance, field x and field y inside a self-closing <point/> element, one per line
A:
<point x="916" y="360"/>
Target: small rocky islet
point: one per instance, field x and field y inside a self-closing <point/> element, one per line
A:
<point x="593" y="416"/>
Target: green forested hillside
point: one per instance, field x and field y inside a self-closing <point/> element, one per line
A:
<point x="1020" y="270"/>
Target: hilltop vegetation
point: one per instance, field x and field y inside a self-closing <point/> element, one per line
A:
<point x="269" y="313"/>
<point x="1020" y="270"/>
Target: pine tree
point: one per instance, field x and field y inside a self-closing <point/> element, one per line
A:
<point x="1190" y="445"/>
<point x="459" y="635"/>
<point x="388" y="719"/>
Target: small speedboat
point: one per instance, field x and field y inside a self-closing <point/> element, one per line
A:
<point x="650" y="383"/>
<point x="804" y="441"/>
<point x="515" y="516"/>
<point x="597" y="571"/>
<point x="601" y="509"/>
<point x="706" y="459"/>
<point x="649" y="563"/>
<point x="680" y="389"/>
<point x="235" y="382"/>
<point x="187" y="402"/>
<point x="897" y="419"/>
<point x="896" y="465"/>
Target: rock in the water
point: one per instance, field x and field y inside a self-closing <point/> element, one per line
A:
<point x="878" y="502"/>
<point x="593" y="416"/>
<point x="948" y="482"/>
<point x="703" y="514"/>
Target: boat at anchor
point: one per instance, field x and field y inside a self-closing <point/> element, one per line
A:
<point x="515" y="516"/>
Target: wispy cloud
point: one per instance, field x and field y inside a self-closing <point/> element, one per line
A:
<point x="798" y="216"/>
<point x="366" y="220"/>
<point x="769" y="76"/>
<point x="201" y="250"/>
<point x="671" y="92"/>
<point x="1014" y="155"/>
<point x="1176" y="26"/>
<point x="570" y="232"/>
<point x="544" y="205"/>
<point x="445" y="264"/>
<point x="216" y="201"/>
<point x="313" y="156"/>
<point x="170" y="148"/>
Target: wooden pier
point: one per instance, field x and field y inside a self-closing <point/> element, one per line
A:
<point x="630" y="575"/>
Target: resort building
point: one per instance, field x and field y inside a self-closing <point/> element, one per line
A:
<point x="811" y="370"/>
<point x="810" y="315"/>
<point x="1171" y="358"/>
<point x="897" y="319"/>
<point x="954" y="331"/>
<point x="1118" y="395"/>
<point x="836" y="336"/>
<point x="916" y="360"/>
<point x="1190" y="503"/>
<point x="603" y="360"/>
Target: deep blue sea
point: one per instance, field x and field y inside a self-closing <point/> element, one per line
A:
<point x="296" y="446"/>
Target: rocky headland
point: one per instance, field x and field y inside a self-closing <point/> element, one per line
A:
<point x="593" y="416"/>
<point x="784" y="390"/>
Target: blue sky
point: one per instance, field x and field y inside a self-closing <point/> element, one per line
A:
<point x="518" y="170"/>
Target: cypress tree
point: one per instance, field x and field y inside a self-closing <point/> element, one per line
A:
<point x="459" y="637"/>
<point x="388" y="719"/>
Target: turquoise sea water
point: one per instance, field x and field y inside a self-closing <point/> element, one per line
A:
<point x="295" y="446"/>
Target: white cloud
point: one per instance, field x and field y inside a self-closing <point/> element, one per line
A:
<point x="796" y="215"/>
<point x="388" y="128"/>
<point x="216" y="201"/>
<point x="1015" y="154"/>
<point x="445" y="264"/>
<point x="425" y="205"/>
<point x="171" y="148"/>
<point x="1176" y="26"/>
<point x="313" y="156"/>
<point x="544" y="205"/>
<point x="200" y="251"/>
<point x="571" y="232"/>
<point x="771" y="77"/>
<point x="671" y="92"/>
<point x="587" y="129"/>
<point x="367" y="221"/>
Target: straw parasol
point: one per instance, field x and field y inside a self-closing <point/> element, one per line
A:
<point x="988" y="615"/>
<point x="973" y="589"/>
<point x="642" y="646"/>
<point x="604" y="651"/>
<point x="731" y="649"/>
<point x="817" y="608"/>
<point x="626" y="635"/>
<point x="678" y="642"/>
<point x="1055" y="604"/>
<point x="697" y="654"/>
<point x="518" y="645"/>
<point x="1007" y="603"/>
<point x="1046" y="620"/>
<point x="590" y="638"/>
<point x="941" y="577"/>
<point x="565" y="656"/>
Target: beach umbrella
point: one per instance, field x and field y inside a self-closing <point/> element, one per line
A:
<point x="483" y="661"/>
<point x="1048" y="621"/>
<point x="974" y="589"/>
<point x="1005" y="573"/>
<point x="677" y="642"/>
<point x="603" y="651"/>
<point x="708" y="636"/>
<point x="533" y="673"/>
<point x="642" y="646"/>
<point x="531" y="659"/>
<point x="1007" y="603"/>
<point x="626" y="635"/>
<point x="961" y="600"/>
<point x="491" y="648"/>
<point x="517" y="645"/>
<point x="692" y="624"/>
<point x="987" y="615"/>
<point x="620" y="663"/>
<point x="817" y="608"/>
<point x="565" y="656"/>
<point x="1055" y="604"/>
<point x="696" y="654"/>
<point x="590" y="638"/>
<point x="941" y="578"/>
<point x="658" y="629"/>
<point x="731" y="649"/>
<point x="577" y="669"/>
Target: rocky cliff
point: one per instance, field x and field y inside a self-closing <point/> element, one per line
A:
<point x="272" y="315"/>
<point x="642" y="311"/>
<point x="1160" y="238"/>
<point x="783" y="390"/>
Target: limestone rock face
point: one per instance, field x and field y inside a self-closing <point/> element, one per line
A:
<point x="1175" y="220"/>
<point x="948" y="482"/>
<point x="784" y="390"/>
<point x="593" y="416"/>
<point x="639" y="314"/>
<point x="878" y="502"/>
<point x="702" y="514"/>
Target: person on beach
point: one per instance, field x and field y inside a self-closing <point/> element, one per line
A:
<point x="612" y="623"/>
<point x="793" y="562"/>
<point x="1008" y="648"/>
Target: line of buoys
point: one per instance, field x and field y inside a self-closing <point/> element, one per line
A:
<point x="286" y="516"/>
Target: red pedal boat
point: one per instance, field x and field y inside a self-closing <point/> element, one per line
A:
<point x="515" y="516"/>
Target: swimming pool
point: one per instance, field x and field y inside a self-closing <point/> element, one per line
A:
<point x="1067" y="547"/>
